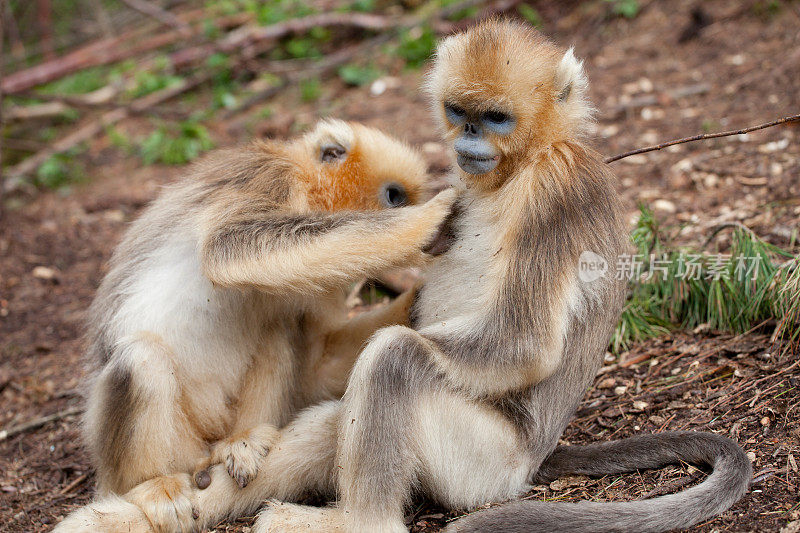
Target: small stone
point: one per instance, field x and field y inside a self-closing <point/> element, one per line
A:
<point x="43" y="272"/>
<point x="619" y="391"/>
<point x="751" y="456"/>
<point x="766" y="421"/>
<point x="607" y="383"/>
<point x="736" y="60"/>
<point x="640" y="405"/>
<point x="710" y="181"/>
<point x="114" y="215"/>
<point x="664" y="205"/>
<point x="609" y="131"/>
<point x="775" y="146"/>
<point x="378" y="87"/>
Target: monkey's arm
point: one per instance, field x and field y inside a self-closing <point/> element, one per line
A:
<point x="504" y="350"/>
<point x="315" y="252"/>
<point x="342" y="346"/>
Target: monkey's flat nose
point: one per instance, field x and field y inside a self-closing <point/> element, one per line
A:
<point x="470" y="128"/>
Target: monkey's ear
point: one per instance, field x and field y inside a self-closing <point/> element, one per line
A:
<point x="570" y="77"/>
<point x="570" y="89"/>
<point x="331" y="139"/>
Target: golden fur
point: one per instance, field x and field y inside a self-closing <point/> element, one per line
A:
<point x="223" y="310"/>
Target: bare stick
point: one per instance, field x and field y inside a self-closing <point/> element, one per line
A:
<point x="702" y="137"/>
<point x="38" y="422"/>
<point x="86" y="132"/>
<point x="152" y="10"/>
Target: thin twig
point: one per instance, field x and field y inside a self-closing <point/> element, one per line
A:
<point x="38" y="422"/>
<point x="69" y="488"/>
<point x="89" y="130"/>
<point x="702" y="137"/>
<point x="152" y="10"/>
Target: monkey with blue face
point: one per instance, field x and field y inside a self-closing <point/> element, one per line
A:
<point x="466" y="406"/>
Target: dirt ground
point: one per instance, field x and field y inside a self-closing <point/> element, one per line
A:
<point x="655" y="77"/>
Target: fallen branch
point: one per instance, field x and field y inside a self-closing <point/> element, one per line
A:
<point x="69" y="488"/>
<point x="38" y="422"/>
<point x="100" y="52"/>
<point x="87" y="131"/>
<point x="702" y="137"/>
<point x="152" y="10"/>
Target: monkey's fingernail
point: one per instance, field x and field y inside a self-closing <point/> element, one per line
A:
<point x="202" y="479"/>
<point x="195" y="513"/>
<point x="241" y="481"/>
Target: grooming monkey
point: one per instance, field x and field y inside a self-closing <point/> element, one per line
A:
<point x="468" y="404"/>
<point x="223" y="311"/>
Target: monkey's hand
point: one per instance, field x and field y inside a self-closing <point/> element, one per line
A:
<point x="242" y="453"/>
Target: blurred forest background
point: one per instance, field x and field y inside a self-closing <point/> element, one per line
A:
<point x="106" y="101"/>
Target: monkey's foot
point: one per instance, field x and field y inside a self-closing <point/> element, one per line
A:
<point x="290" y="518"/>
<point x="242" y="453"/>
<point x="166" y="502"/>
<point x="111" y="514"/>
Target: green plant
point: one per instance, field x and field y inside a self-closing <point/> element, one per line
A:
<point x="531" y="15"/>
<point x="149" y="82"/>
<point x="83" y="81"/>
<point x="416" y="45"/>
<point x="60" y="170"/>
<point x="175" y="144"/>
<point x="767" y="9"/>
<point x="735" y="292"/>
<point x="310" y="89"/>
<point x="625" y="8"/>
<point x="119" y="139"/>
<point x="357" y="75"/>
<point x="364" y="6"/>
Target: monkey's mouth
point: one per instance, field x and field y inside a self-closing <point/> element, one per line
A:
<point x="472" y="164"/>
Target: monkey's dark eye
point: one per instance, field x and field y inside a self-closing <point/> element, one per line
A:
<point x="332" y="152"/>
<point x="394" y="195"/>
<point x="498" y="117"/>
<point x="454" y="113"/>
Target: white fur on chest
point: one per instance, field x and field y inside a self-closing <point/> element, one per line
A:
<point x="457" y="287"/>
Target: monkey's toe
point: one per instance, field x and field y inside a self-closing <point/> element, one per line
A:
<point x="243" y="454"/>
<point x="166" y="502"/>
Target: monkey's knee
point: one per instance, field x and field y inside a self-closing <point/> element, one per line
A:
<point x="133" y="416"/>
<point x="388" y="341"/>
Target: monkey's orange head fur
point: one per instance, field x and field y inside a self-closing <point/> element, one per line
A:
<point x="352" y="166"/>
<point x="502" y="69"/>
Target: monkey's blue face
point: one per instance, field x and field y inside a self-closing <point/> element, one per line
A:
<point x="476" y="153"/>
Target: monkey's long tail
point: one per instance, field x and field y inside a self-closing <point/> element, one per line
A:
<point x="726" y="484"/>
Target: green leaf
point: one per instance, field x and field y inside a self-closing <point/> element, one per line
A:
<point x="357" y="75"/>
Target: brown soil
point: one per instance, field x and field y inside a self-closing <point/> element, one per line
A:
<point x="742" y="69"/>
